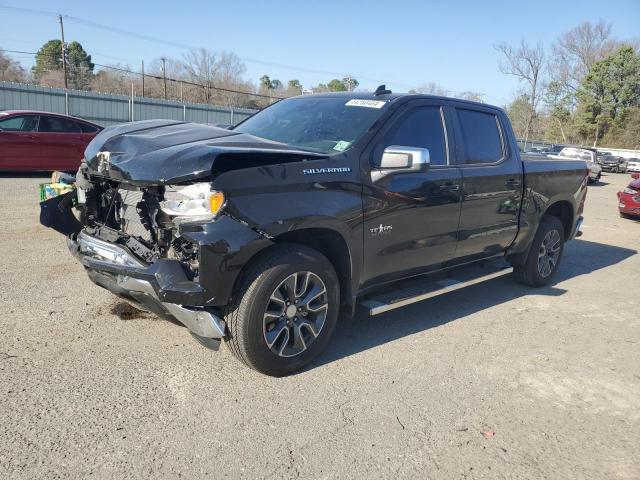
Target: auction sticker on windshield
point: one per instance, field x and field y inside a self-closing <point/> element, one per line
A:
<point x="357" y="102"/>
<point x="341" y="146"/>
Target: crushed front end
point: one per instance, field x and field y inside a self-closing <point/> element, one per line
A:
<point x="129" y="240"/>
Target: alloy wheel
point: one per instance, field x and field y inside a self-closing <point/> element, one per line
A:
<point x="295" y="314"/>
<point x="549" y="253"/>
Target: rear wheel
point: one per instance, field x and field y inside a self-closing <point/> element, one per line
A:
<point x="285" y="310"/>
<point x="544" y="255"/>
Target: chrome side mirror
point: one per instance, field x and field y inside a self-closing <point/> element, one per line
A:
<point x="399" y="159"/>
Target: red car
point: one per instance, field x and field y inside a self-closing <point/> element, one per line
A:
<point x="43" y="141"/>
<point x="629" y="198"/>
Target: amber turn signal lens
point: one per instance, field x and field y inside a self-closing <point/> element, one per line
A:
<point x="216" y="200"/>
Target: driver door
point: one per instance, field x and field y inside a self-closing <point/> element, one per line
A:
<point x="411" y="217"/>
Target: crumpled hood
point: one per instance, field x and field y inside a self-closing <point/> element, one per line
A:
<point x="159" y="152"/>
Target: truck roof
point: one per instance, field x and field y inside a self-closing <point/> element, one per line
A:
<point x="392" y="96"/>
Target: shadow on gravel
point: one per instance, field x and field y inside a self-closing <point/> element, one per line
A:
<point x="125" y="311"/>
<point x="363" y="332"/>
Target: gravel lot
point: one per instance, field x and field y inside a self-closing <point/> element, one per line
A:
<point x="495" y="381"/>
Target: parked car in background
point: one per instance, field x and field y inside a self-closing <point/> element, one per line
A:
<point x="612" y="163"/>
<point x="589" y="155"/>
<point x="633" y="165"/>
<point x="629" y="199"/>
<point x="43" y="141"/>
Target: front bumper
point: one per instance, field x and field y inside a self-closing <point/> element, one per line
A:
<point x="162" y="287"/>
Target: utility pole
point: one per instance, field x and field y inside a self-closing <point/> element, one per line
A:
<point x="349" y="83"/>
<point x="64" y="56"/>
<point x="143" y="78"/>
<point x="164" y="75"/>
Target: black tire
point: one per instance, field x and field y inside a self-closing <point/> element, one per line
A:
<point x="245" y="317"/>
<point x="531" y="273"/>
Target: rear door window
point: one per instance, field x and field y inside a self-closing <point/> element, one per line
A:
<point x="22" y="123"/>
<point x="481" y="136"/>
<point x="422" y="128"/>
<point x="86" y="128"/>
<point x="58" y="125"/>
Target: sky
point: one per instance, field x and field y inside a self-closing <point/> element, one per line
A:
<point x="401" y="43"/>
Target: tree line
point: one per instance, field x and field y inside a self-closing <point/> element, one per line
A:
<point x="584" y="89"/>
<point x="200" y="76"/>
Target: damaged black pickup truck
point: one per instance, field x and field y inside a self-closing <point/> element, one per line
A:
<point x="259" y="235"/>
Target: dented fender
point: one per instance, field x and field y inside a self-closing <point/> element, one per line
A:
<point x="225" y="246"/>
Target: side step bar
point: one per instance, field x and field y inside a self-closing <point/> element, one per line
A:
<point x="386" y="302"/>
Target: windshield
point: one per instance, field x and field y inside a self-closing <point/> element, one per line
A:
<point x="326" y="125"/>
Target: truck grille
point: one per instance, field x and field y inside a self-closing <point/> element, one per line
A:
<point x="131" y="221"/>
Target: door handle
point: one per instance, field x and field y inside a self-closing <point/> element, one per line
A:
<point x="512" y="182"/>
<point x="449" y="187"/>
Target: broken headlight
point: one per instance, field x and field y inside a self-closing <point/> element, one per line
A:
<point x="191" y="203"/>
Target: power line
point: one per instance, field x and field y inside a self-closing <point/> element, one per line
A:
<point x="152" y="39"/>
<point x="149" y="38"/>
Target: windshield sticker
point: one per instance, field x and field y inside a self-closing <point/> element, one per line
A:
<point x="356" y="102"/>
<point x="341" y="146"/>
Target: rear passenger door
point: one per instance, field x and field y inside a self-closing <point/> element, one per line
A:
<point x="62" y="143"/>
<point x="492" y="183"/>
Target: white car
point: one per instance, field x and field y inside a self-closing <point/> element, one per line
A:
<point x="633" y="165"/>
<point x="588" y="155"/>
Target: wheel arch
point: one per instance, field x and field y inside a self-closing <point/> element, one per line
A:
<point x="563" y="210"/>
<point x="327" y="241"/>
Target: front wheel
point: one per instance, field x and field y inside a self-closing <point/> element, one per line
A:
<point x="285" y="310"/>
<point x="544" y="255"/>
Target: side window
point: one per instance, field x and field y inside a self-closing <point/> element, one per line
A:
<point x="86" y="128"/>
<point x="422" y="128"/>
<point x="27" y="123"/>
<point x="481" y="136"/>
<point x="58" y="125"/>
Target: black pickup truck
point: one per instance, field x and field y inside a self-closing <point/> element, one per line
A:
<point x="261" y="234"/>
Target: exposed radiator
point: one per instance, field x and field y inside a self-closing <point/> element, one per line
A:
<point x="132" y="223"/>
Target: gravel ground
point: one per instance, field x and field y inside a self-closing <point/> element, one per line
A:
<point x="494" y="381"/>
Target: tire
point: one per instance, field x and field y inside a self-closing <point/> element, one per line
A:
<point x="534" y="270"/>
<point x="259" y="310"/>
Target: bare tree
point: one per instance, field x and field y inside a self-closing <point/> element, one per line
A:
<point x="228" y="75"/>
<point x="201" y="67"/>
<point x="431" y="88"/>
<point x="11" y="70"/>
<point x="52" y="78"/>
<point x="526" y="63"/>
<point x="575" y="52"/>
<point x="469" y="95"/>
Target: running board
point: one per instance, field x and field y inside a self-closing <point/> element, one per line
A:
<point x="418" y="292"/>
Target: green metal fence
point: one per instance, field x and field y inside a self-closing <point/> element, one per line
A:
<point x="106" y="109"/>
